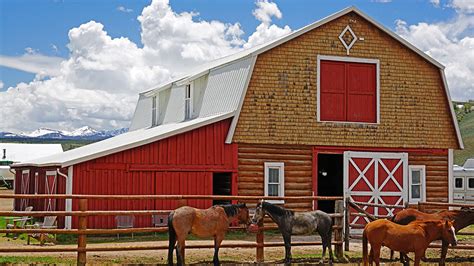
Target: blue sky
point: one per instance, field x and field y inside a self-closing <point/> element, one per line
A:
<point x="43" y="25"/>
<point x="64" y="64"/>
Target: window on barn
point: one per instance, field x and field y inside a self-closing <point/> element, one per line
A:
<point x="459" y="183"/>
<point x="188" y="102"/>
<point x="155" y="111"/>
<point x="275" y="180"/>
<point x="416" y="180"/>
<point x="347" y="89"/>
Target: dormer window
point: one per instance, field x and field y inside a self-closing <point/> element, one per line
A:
<point x="155" y="111"/>
<point x="188" y="102"/>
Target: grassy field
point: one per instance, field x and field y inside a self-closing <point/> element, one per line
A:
<point x="467" y="132"/>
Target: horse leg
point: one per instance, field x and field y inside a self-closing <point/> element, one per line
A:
<point x="217" y="243"/>
<point x="444" y="252"/>
<point x="418" y="255"/>
<point x="180" y="251"/>
<point x="327" y="244"/>
<point x="287" y="240"/>
<point x="376" y="254"/>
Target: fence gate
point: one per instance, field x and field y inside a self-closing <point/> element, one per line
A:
<point x="379" y="178"/>
<point x="50" y="188"/>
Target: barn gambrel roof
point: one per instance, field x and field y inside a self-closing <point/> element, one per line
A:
<point x="234" y="72"/>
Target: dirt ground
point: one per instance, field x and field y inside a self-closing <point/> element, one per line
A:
<point x="302" y="255"/>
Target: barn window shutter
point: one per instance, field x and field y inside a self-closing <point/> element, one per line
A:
<point x="361" y="93"/>
<point x="333" y="91"/>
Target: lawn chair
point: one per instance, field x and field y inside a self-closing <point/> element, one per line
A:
<point x="124" y="221"/>
<point x="49" y="222"/>
<point x="159" y="220"/>
<point x="18" y="223"/>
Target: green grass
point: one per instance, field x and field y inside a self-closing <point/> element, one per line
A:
<point x="467" y="132"/>
<point x="34" y="260"/>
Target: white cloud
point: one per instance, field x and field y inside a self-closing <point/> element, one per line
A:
<point x="124" y="9"/>
<point x="98" y="84"/>
<point x="435" y="2"/>
<point x="1" y="84"/>
<point x="266" y="10"/>
<point x="450" y="43"/>
<point x="34" y="63"/>
<point x="382" y="1"/>
<point x="464" y="6"/>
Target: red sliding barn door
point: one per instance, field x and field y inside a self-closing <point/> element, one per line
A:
<point x="24" y="188"/>
<point x="379" y="178"/>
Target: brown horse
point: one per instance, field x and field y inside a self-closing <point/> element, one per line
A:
<point x="414" y="237"/>
<point x="212" y="222"/>
<point x="461" y="219"/>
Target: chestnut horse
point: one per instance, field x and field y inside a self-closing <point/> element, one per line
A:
<point x="212" y="222"/>
<point x="414" y="237"/>
<point x="461" y="219"/>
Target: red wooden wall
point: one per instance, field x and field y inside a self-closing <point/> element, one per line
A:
<point x="182" y="164"/>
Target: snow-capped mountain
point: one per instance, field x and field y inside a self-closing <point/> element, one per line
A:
<point x="83" y="133"/>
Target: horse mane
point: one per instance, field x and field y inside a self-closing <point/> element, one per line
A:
<point x="232" y="209"/>
<point x="276" y="209"/>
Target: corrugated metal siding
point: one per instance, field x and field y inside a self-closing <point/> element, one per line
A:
<point x="142" y="116"/>
<point x="182" y="164"/>
<point x="175" y="109"/>
<point x="225" y="87"/>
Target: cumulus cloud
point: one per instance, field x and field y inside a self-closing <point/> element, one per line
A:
<point x="464" y="6"/>
<point x="1" y="84"/>
<point x="450" y="43"/>
<point x="98" y="84"/>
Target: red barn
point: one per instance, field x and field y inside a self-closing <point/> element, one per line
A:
<point x="342" y="106"/>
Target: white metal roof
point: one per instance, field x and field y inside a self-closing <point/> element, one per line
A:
<point x="21" y="152"/>
<point x="469" y="164"/>
<point x="122" y="142"/>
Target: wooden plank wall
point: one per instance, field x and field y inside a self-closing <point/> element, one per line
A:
<point x="436" y="174"/>
<point x="298" y="170"/>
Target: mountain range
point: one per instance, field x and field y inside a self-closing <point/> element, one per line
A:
<point x="83" y="133"/>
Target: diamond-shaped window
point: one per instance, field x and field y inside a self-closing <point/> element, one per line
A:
<point x="348" y="38"/>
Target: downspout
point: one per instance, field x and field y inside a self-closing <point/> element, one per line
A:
<point x="68" y="207"/>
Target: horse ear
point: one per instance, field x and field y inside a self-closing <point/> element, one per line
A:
<point x="446" y="223"/>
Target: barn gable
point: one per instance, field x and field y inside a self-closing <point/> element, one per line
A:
<point x="281" y="102"/>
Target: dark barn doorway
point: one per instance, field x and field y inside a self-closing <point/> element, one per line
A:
<point x="222" y="185"/>
<point x="330" y="179"/>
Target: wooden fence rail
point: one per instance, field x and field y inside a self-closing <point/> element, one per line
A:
<point x="83" y="213"/>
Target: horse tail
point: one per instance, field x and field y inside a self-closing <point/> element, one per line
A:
<point x="172" y="238"/>
<point x="364" y="248"/>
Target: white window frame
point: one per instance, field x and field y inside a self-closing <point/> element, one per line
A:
<point x="462" y="179"/>
<point x="188" y="101"/>
<point x="467" y="183"/>
<point x="281" y="168"/>
<point x="350" y="60"/>
<point x="155" y="110"/>
<point x="422" y="170"/>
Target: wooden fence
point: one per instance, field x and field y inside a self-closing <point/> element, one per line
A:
<point x="83" y="213"/>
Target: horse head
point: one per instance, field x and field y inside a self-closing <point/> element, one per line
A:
<point x="259" y="213"/>
<point x="243" y="215"/>
<point x="448" y="233"/>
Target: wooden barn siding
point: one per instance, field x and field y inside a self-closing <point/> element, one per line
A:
<point x="182" y="164"/>
<point x="281" y="100"/>
<point x="298" y="170"/>
<point x="436" y="174"/>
